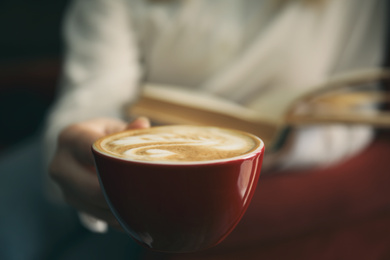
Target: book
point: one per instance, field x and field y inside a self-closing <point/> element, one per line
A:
<point x="351" y="98"/>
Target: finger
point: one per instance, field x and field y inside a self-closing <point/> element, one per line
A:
<point x="74" y="178"/>
<point x="78" y="141"/>
<point x="96" y="224"/>
<point x="80" y="137"/>
<point x="141" y="122"/>
<point x="112" y="125"/>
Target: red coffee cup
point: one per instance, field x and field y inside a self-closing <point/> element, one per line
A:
<point x="179" y="207"/>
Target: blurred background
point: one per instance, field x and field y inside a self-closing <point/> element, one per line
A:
<point x="30" y="51"/>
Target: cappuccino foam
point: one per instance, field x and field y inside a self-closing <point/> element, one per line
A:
<point x="178" y="144"/>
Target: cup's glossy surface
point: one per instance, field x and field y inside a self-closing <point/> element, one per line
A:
<point x="178" y="207"/>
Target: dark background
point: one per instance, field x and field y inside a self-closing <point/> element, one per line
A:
<point x="30" y="55"/>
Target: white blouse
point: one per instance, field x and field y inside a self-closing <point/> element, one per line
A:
<point x="237" y="49"/>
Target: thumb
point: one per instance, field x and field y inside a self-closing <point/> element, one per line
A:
<point x="140" y="122"/>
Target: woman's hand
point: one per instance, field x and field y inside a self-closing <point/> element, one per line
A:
<point x="73" y="165"/>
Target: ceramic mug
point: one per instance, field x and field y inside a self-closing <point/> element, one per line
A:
<point x="178" y="207"/>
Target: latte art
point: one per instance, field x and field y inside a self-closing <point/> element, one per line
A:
<point x="179" y="144"/>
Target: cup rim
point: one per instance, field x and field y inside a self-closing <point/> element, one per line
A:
<point x="244" y="156"/>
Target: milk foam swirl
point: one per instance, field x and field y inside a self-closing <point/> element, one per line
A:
<point x="179" y="143"/>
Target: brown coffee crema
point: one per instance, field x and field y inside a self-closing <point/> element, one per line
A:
<point x="178" y="144"/>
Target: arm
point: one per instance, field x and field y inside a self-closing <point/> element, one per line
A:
<point x="101" y="68"/>
<point x="100" y="75"/>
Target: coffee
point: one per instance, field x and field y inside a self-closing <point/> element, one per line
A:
<point x="178" y="144"/>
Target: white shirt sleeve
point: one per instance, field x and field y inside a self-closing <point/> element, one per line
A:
<point x="101" y="70"/>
